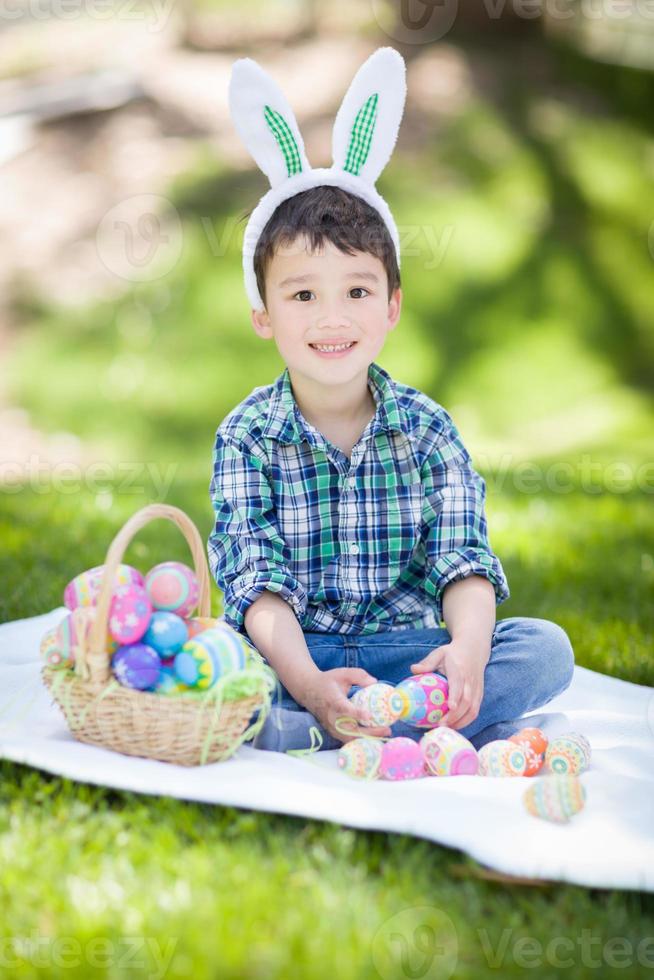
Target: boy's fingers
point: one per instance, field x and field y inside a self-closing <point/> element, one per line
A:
<point x="357" y="675"/>
<point x="430" y="662"/>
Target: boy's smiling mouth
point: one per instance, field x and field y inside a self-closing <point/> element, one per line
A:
<point x="333" y="350"/>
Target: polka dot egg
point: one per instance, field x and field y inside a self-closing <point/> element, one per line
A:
<point x="129" y="613"/>
<point x="173" y="587"/>
<point x="556" y="798"/>
<point x="568" y="754"/>
<point x="401" y="758"/>
<point x="501" y="758"/>
<point x="448" y="753"/>
<point x="360" y="758"/>
<point x="167" y="633"/>
<point x="84" y="589"/>
<point x="425" y="699"/>
<point x="381" y="703"/>
<point x="136" y="665"/>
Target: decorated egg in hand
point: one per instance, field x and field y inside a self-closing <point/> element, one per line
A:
<point x="136" y="665"/>
<point x="380" y="702"/>
<point x="533" y="743"/>
<point x="209" y="656"/>
<point x="568" y="754"/>
<point x="129" y="613"/>
<point x="556" y="798"/>
<point x="425" y="699"/>
<point x="84" y="589"/>
<point x="448" y="753"/>
<point x="360" y="758"/>
<point x="173" y="587"/>
<point x="167" y="633"/>
<point x="401" y="758"/>
<point x="501" y="758"/>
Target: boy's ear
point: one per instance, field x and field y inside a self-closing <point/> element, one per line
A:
<point x="394" y="307"/>
<point x="261" y="323"/>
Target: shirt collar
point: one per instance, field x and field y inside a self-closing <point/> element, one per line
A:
<point x="286" y="424"/>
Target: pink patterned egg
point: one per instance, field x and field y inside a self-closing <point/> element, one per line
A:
<point x="174" y="587"/>
<point x="425" y="699"/>
<point x="401" y="758"/>
<point x="129" y="614"/>
<point x="84" y="589"/>
<point x="449" y="753"/>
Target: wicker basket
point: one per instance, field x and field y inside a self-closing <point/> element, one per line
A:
<point x="186" y="729"/>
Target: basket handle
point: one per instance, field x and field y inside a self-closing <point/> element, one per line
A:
<point x="97" y="658"/>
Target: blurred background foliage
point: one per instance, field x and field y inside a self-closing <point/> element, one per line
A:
<point x="522" y="186"/>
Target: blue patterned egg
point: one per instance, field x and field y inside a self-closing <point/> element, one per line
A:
<point x="169" y="684"/>
<point x="136" y="665"/>
<point x="167" y="633"/>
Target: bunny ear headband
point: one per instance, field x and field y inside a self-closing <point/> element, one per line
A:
<point x="365" y="131"/>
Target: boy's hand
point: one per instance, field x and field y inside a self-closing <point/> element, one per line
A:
<point x="325" y="696"/>
<point x="464" y="668"/>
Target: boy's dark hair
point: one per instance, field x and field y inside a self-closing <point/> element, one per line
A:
<point x="327" y="212"/>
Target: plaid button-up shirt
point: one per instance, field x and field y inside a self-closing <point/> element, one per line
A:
<point x="354" y="545"/>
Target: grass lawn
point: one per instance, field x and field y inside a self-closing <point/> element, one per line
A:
<point x="534" y="329"/>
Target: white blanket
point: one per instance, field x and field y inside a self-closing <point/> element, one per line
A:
<point x="609" y="844"/>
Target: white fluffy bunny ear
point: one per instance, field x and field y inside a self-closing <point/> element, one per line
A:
<point x="265" y="122"/>
<point x="367" y="123"/>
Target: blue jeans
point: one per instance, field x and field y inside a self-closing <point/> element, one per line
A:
<point x="531" y="662"/>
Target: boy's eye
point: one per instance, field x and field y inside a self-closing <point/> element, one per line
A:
<point x="305" y="293"/>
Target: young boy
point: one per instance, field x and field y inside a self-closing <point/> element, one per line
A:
<point x="349" y="521"/>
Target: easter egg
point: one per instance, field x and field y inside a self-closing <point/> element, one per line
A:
<point x="448" y="753"/>
<point x="129" y="613"/>
<point x="360" y="758"/>
<point x="401" y="758"/>
<point x="556" y="797"/>
<point x="533" y="743"/>
<point x="84" y="589"/>
<point x="168" y="683"/>
<point x="59" y="644"/>
<point x="167" y="633"/>
<point x="136" y="665"/>
<point x="209" y="656"/>
<point x="198" y="624"/>
<point x="173" y="586"/>
<point x="568" y="754"/>
<point x="51" y="652"/>
<point x="380" y="702"/>
<point x="425" y="699"/>
<point x="501" y="758"/>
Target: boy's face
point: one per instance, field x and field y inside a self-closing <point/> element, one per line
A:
<point x="340" y="298"/>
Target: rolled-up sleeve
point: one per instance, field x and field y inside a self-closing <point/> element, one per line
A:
<point x="456" y="535"/>
<point x="247" y="554"/>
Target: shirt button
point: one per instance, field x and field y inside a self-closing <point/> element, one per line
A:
<point x="354" y="549"/>
<point x="351" y="610"/>
<point x="351" y="482"/>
